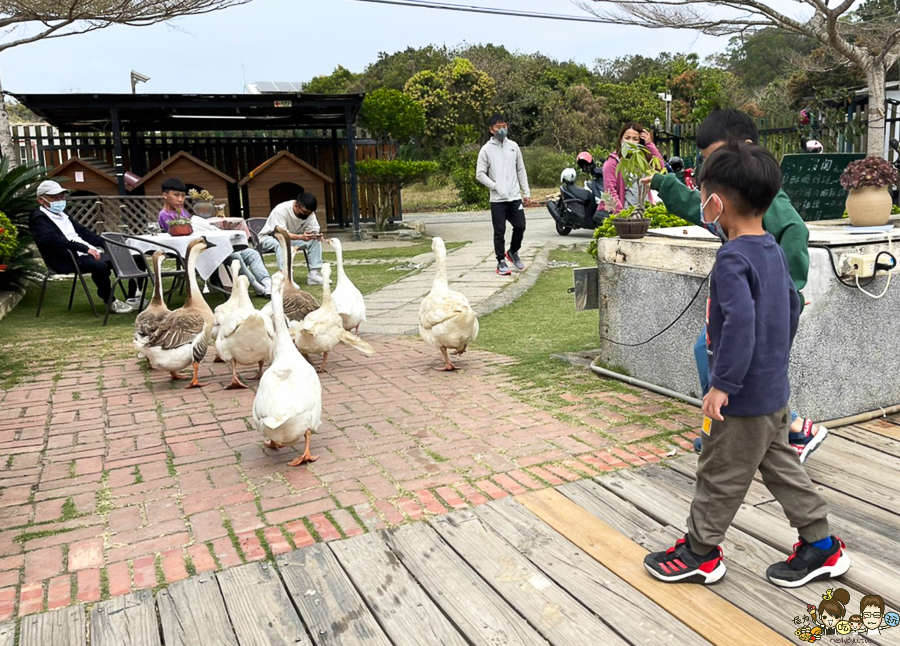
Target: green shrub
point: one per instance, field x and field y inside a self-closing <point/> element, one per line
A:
<point x="660" y="218"/>
<point x="9" y="236"/>
<point x="544" y="164"/>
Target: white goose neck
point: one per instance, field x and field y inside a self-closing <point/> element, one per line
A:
<point x="193" y="288"/>
<point x="440" y="262"/>
<point x="157" y="282"/>
<point x="339" y="257"/>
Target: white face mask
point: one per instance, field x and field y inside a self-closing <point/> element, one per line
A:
<point x="713" y="227"/>
<point x="56" y="207"/>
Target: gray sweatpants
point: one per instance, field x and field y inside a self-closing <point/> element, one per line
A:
<point x="732" y="452"/>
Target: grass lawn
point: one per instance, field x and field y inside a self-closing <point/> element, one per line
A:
<point x="425" y="198"/>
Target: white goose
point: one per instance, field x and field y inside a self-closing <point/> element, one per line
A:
<point x="288" y="404"/>
<point x="182" y="337"/>
<point x="322" y="329"/>
<point x="347" y="299"/>
<point x="243" y="334"/>
<point x="147" y="321"/>
<point x="446" y="321"/>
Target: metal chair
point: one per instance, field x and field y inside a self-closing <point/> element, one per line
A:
<point x="125" y="267"/>
<point x="76" y="277"/>
<point x="256" y="225"/>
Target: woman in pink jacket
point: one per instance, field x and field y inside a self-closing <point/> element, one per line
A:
<point x="625" y="196"/>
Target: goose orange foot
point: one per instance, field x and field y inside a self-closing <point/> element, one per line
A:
<point x="177" y="376"/>
<point x="306" y="456"/>
<point x="271" y="444"/>
<point x="235" y="380"/>
<point x="195" y="382"/>
<point x="447" y="367"/>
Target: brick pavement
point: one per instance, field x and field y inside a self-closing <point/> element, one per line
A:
<point x="113" y="479"/>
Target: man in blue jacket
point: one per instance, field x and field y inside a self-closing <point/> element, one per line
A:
<point x="55" y="234"/>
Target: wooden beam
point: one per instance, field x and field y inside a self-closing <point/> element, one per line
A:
<point x="698" y="608"/>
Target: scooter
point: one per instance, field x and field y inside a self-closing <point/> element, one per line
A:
<point x="576" y="208"/>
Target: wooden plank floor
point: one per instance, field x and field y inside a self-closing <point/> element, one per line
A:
<point x="560" y="566"/>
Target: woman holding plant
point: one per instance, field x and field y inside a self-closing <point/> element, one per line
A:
<point x="633" y="138"/>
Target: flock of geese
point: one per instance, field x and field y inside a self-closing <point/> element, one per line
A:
<point x="284" y="333"/>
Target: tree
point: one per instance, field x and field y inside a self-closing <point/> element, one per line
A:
<point x="869" y="40"/>
<point x="338" y="82"/>
<point x="392" y="115"/>
<point x="394" y="70"/>
<point x="389" y="177"/>
<point x="457" y="100"/>
<point x="57" y="18"/>
<point x="573" y="119"/>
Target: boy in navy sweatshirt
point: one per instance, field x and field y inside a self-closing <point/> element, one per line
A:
<point x="751" y="321"/>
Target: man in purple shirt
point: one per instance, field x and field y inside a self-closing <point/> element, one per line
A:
<point x="252" y="265"/>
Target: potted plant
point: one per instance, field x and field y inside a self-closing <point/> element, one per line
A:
<point x="869" y="201"/>
<point x="636" y="163"/>
<point x="202" y="202"/>
<point x="180" y="227"/>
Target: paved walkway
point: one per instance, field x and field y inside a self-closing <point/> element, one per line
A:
<point x="115" y="479"/>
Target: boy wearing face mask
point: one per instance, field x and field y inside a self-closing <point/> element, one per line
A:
<point x="502" y="169"/>
<point x="752" y="317"/>
<point x="781" y="220"/>
<point x="54" y="233"/>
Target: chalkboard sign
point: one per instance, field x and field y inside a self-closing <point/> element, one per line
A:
<point x="812" y="183"/>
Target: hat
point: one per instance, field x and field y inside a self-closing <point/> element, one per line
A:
<point x="49" y="187"/>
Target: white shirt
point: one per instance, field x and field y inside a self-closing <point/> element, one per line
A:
<point x="64" y="224"/>
<point x="283" y="216"/>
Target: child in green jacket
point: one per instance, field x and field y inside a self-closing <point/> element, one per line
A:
<point x="781" y="220"/>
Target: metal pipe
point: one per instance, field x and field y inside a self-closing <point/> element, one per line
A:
<point x="693" y="401"/>
<point x="862" y="417"/>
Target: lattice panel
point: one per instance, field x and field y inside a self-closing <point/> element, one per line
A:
<point x="120" y="214"/>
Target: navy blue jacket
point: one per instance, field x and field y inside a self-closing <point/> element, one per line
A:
<point x="52" y="244"/>
<point x="753" y="315"/>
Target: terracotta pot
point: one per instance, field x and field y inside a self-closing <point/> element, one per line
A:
<point x="181" y="230"/>
<point x="631" y="228"/>
<point x="869" y="206"/>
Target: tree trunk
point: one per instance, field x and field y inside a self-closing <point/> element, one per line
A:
<point x="875" y="77"/>
<point x="7" y="148"/>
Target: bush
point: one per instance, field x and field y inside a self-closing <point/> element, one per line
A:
<point x="544" y="164"/>
<point x="660" y="218"/>
<point x="459" y="165"/>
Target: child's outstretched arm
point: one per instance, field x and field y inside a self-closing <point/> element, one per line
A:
<point x="734" y="350"/>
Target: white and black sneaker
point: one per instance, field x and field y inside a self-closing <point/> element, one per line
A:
<point x="503" y="269"/>
<point x="805" y="442"/>
<point x="679" y="564"/>
<point x="120" y="307"/>
<point x="809" y="563"/>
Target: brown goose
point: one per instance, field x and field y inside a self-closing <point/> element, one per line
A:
<point x="148" y="320"/>
<point x="297" y="303"/>
<point x="182" y="337"/>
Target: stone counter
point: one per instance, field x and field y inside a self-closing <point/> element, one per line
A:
<point x="846" y="355"/>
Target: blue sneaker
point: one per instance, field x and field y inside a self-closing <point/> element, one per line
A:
<point x="698" y="445"/>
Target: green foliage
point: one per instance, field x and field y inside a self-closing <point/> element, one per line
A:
<point x="544" y="164"/>
<point x="633" y="102"/>
<point x="340" y="81"/>
<point x="393" y="71"/>
<point x="17" y="191"/>
<point x="659" y="218"/>
<point x="459" y="165"/>
<point x="389" y="178"/>
<point x="571" y="118"/>
<point x="764" y="56"/>
<point x="9" y="240"/>
<point x="457" y="100"/>
<point x="391" y="114"/>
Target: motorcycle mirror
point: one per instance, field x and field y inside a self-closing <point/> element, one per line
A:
<point x="895" y="145"/>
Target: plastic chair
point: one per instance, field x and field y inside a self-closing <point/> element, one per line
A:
<point x="76" y="277"/>
<point x="122" y="257"/>
<point x="256" y="225"/>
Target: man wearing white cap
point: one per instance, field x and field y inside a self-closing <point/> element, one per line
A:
<point x="54" y="233"/>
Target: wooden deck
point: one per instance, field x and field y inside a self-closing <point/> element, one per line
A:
<point x="561" y="566"/>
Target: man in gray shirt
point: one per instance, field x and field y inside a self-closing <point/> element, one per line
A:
<point x="501" y="168"/>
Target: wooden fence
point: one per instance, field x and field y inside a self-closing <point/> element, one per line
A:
<point x="117" y="213"/>
<point x="234" y="154"/>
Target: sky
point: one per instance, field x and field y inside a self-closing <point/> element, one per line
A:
<point x="295" y="40"/>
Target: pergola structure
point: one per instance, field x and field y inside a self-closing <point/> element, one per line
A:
<point x="144" y="113"/>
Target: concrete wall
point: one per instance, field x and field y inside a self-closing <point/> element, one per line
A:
<point x="845" y="358"/>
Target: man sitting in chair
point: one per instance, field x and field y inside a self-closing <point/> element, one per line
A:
<point x="54" y="233"/>
<point x="299" y="218"/>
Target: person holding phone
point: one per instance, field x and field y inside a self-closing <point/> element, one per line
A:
<point x="632" y="134"/>
<point x="299" y="218"/>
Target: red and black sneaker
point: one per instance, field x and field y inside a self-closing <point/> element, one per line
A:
<point x="809" y="563"/>
<point x="805" y="442"/>
<point x="679" y="564"/>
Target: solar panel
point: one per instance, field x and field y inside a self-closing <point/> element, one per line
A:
<point x="283" y="87"/>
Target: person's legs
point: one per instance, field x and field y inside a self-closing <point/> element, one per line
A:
<point x="100" y="271"/>
<point x="498" y="219"/>
<point x="516" y="216"/>
<point x="268" y="244"/>
<point x="314" y="249"/>
<point x="253" y="267"/>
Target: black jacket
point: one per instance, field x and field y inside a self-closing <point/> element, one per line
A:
<point x="52" y="244"/>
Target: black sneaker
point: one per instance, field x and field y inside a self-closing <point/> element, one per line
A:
<point x="809" y="563"/>
<point x="514" y="259"/>
<point x="503" y="268"/>
<point x="679" y="564"/>
<point x="805" y="442"/>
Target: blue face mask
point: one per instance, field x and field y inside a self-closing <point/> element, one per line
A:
<point x="57" y="207"/>
<point x="501" y="133"/>
<point x="713" y="227"/>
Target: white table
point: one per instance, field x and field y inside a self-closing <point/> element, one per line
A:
<point x="209" y="260"/>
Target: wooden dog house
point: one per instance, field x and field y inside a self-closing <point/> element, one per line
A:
<point x="278" y="179"/>
<point x="88" y="177"/>
<point x="194" y="173"/>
